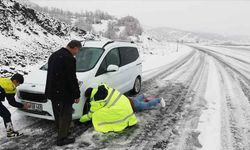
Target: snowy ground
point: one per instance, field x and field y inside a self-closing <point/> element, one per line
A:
<point x="207" y="90"/>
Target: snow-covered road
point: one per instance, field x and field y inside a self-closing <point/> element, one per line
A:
<point x="232" y="106"/>
<point x="219" y="116"/>
<point x="207" y="90"/>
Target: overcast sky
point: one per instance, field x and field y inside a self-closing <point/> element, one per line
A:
<point x="223" y="17"/>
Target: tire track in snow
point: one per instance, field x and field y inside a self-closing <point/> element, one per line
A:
<point x="235" y="107"/>
<point x="226" y="64"/>
<point x="188" y="136"/>
<point x="196" y="83"/>
<point x="162" y="121"/>
<point x="233" y="113"/>
<point x="220" y="53"/>
<point x="184" y="73"/>
<point x="242" y="100"/>
<point x="153" y="74"/>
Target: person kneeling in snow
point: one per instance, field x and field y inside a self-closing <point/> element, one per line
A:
<point x="112" y="111"/>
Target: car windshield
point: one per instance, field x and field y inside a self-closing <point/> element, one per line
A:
<point x="86" y="59"/>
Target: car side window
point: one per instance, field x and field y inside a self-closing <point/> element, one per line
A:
<point x="112" y="58"/>
<point x="128" y="55"/>
<point x="102" y="69"/>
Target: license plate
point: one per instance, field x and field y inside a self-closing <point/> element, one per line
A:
<point x="34" y="106"/>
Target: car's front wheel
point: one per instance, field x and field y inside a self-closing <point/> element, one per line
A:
<point x="137" y="86"/>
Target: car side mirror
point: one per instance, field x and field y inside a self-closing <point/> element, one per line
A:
<point x="112" y="68"/>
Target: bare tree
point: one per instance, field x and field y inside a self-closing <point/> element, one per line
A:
<point x="110" y="33"/>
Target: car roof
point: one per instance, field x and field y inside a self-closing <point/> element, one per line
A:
<point x="104" y="43"/>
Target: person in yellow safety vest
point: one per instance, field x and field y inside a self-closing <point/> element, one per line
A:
<point x="8" y="91"/>
<point x="110" y="110"/>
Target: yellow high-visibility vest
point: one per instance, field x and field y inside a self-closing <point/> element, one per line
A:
<point x="114" y="113"/>
<point x="8" y="86"/>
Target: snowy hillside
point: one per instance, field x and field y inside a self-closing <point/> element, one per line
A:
<point x="170" y="34"/>
<point x="28" y="36"/>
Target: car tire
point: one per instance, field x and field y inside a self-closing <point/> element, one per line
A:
<point x="137" y="86"/>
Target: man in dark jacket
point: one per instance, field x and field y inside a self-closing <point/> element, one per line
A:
<point x="62" y="88"/>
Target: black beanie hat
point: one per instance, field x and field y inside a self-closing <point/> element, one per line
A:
<point x="101" y="93"/>
<point x="18" y="77"/>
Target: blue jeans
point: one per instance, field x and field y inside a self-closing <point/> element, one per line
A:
<point x="140" y="104"/>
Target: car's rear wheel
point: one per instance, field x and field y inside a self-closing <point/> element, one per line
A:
<point x="137" y="86"/>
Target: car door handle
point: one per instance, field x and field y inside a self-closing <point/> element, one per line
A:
<point x="138" y="64"/>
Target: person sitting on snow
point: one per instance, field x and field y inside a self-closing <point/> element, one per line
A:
<point x="112" y="111"/>
<point x="8" y="90"/>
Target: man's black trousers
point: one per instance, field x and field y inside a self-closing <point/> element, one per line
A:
<point x="63" y="117"/>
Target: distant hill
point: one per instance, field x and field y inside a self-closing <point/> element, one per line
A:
<point x="171" y="34"/>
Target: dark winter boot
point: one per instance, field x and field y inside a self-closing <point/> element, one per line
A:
<point x="10" y="131"/>
<point x="65" y="141"/>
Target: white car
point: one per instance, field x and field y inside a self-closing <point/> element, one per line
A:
<point x="117" y="64"/>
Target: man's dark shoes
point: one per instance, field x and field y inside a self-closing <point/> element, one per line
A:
<point x="65" y="141"/>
